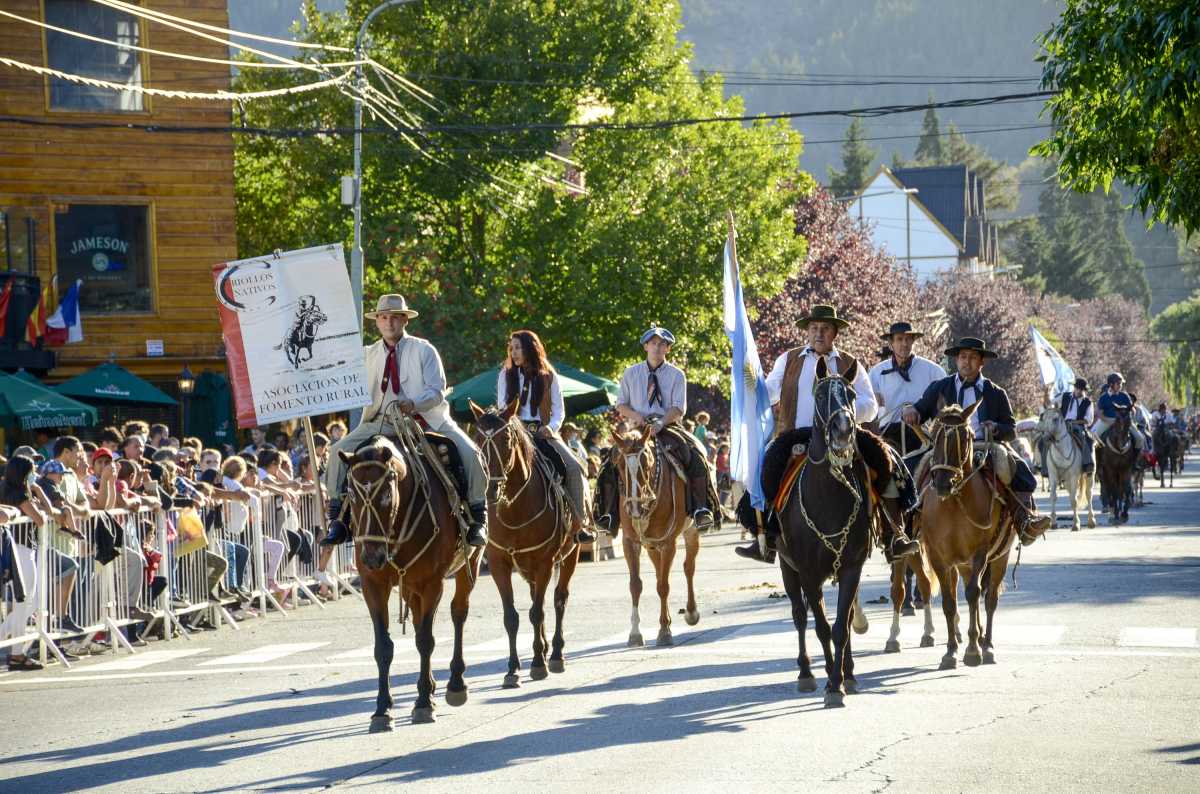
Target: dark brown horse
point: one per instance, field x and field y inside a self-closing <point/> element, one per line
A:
<point x="406" y="534"/>
<point x="1168" y="447"/>
<point x="1115" y="464"/>
<point x="654" y="515"/>
<point x="966" y="532"/>
<point x="531" y="529"/>
<point x="827" y="533"/>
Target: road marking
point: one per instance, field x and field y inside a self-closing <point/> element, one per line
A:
<point x="267" y="653"/>
<point x="365" y="652"/>
<point x="1019" y="635"/>
<point x="1147" y="637"/>
<point x="143" y="659"/>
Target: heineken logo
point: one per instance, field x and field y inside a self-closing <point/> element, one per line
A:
<point x="111" y="390"/>
<point x="39" y="405"/>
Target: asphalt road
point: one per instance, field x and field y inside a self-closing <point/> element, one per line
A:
<point x="1096" y="687"/>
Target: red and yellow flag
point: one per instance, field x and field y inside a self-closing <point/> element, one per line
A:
<point x="35" y="326"/>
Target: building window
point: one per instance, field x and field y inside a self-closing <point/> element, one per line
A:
<point x="115" y="64"/>
<point x="108" y="246"/>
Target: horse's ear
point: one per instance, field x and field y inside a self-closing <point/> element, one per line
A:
<point x="347" y="457"/>
<point x="966" y="415"/>
<point x="822" y="368"/>
<point x="475" y="409"/>
<point x="852" y="372"/>
<point x="510" y="410"/>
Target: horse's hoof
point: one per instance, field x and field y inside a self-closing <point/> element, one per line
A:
<point x="948" y="662"/>
<point x="635" y="641"/>
<point x="891" y="646"/>
<point x="456" y="697"/>
<point x="1075" y="528"/>
<point x="806" y="684"/>
<point x="851" y="686"/>
<point x="511" y="681"/>
<point x="381" y="723"/>
<point x="834" y="700"/>
<point x="664" y="639"/>
<point x="423" y="716"/>
<point x="989" y="657"/>
<point x="1091" y="523"/>
<point x="557" y="666"/>
<point x="538" y="673"/>
<point x="927" y="641"/>
<point x="692" y="618"/>
<point x="907" y="612"/>
<point x="972" y="659"/>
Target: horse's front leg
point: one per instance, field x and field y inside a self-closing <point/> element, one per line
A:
<point x="423" y="621"/>
<point x="1089" y="483"/>
<point x="377" y="595"/>
<point x="633" y="561"/>
<point x="691" y="540"/>
<point x="1053" y="474"/>
<point x="899" y="597"/>
<point x="562" y="591"/>
<point x="456" y="690"/>
<point x="992" y="581"/>
<point x="662" y="559"/>
<point x="537" y="617"/>
<point x="948" y="580"/>
<point x="816" y="604"/>
<point x="500" y="566"/>
<point x="972" y="657"/>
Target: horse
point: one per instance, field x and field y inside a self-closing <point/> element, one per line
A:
<point x="924" y="582"/>
<point x="303" y="332"/>
<point x="827" y="533"/>
<point x="1168" y="447"/>
<point x="531" y="530"/>
<point x="406" y="534"/>
<point x="1064" y="460"/>
<point x="1115" y="464"/>
<point x="653" y="514"/>
<point x="964" y="532"/>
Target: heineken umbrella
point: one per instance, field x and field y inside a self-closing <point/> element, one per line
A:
<point x="581" y="391"/>
<point x="30" y="406"/>
<point x="113" y="384"/>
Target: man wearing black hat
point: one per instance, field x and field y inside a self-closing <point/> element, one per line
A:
<point x="1079" y="412"/>
<point x="901" y="380"/>
<point x="790" y="386"/>
<point x="992" y="421"/>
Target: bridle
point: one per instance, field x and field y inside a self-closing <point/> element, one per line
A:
<point x="640" y="486"/>
<point x="489" y="445"/>
<point x="838" y="401"/>
<point x="963" y="439"/>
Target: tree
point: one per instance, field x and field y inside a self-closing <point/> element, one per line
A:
<point x="479" y="226"/>
<point x="1125" y="74"/>
<point x="1180" y="325"/>
<point x="929" y="147"/>
<point x="843" y="269"/>
<point x="857" y="158"/>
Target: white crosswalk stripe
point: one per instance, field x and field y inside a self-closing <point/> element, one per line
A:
<point x="267" y="653"/>
<point x="1146" y="637"/>
<point x="138" y="661"/>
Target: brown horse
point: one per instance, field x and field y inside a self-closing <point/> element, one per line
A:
<point x="924" y="581"/>
<point x="1115" y="464"/>
<point x="964" y="531"/>
<point x="654" y="514"/>
<point x="406" y="534"/>
<point x="531" y="530"/>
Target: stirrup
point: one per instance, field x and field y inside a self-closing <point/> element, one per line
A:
<point x="702" y="518"/>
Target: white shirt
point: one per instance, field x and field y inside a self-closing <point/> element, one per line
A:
<point x="865" y="406"/>
<point x="1073" y="411"/>
<point x="529" y="411"/>
<point x="968" y="399"/>
<point x="635" y="389"/>
<point x="893" y="391"/>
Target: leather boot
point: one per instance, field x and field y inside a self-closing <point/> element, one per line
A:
<point x="1030" y="525"/>
<point x="339" y="533"/>
<point x="702" y="517"/>
<point x="608" y="523"/>
<point x="477" y="528"/>
<point x="762" y="548"/>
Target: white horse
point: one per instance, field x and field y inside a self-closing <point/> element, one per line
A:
<point x="1065" y="459"/>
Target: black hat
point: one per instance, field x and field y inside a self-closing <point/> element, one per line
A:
<point x="825" y="314"/>
<point x="971" y="343"/>
<point x="1081" y="384"/>
<point x="900" y="328"/>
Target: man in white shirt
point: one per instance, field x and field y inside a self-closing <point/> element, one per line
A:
<point x="900" y="380"/>
<point x="1077" y="409"/>
<point x="405" y="370"/>
<point x="790" y="386"/>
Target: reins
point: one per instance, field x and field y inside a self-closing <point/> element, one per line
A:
<point x="642" y="495"/>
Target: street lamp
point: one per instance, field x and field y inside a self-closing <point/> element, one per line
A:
<point x="186" y="383"/>
<point x="356" y="253"/>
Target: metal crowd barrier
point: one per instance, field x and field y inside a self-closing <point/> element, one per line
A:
<point x="109" y="600"/>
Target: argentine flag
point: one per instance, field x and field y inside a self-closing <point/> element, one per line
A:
<point x="750" y="420"/>
<point x="1056" y="373"/>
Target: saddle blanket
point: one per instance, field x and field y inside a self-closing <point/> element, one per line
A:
<point x="795" y="464"/>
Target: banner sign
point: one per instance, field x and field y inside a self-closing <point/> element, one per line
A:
<point x="292" y="336"/>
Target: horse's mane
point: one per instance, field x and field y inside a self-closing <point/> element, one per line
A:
<point x="491" y="420"/>
<point x="951" y="415"/>
<point x="375" y="450"/>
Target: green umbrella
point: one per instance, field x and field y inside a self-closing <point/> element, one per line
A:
<point x="581" y="391"/>
<point x="114" y="384"/>
<point x="31" y="406"/>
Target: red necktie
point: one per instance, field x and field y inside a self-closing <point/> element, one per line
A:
<point x="391" y="373"/>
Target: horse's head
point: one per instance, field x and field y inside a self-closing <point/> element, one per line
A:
<point x="1051" y="423"/>
<point x="633" y="455"/>
<point x="373" y="476"/>
<point x="1119" y="432"/>
<point x="833" y="411"/>
<point x="504" y="444"/>
<point x="953" y="447"/>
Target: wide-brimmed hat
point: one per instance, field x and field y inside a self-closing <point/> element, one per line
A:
<point x="901" y="327"/>
<point x="971" y="343"/>
<point x="392" y="304"/>
<point x="825" y="314"/>
<point x="1081" y="384"/>
<point x="30" y="453"/>
<point x="659" y="331"/>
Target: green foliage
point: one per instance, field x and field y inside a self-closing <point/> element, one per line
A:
<point x="1181" y="324"/>
<point x="1126" y="72"/>
<point x="929" y="147"/>
<point x="857" y="159"/>
<point x="476" y="227"/>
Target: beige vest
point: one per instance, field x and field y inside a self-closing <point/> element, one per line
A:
<point x="785" y="411"/>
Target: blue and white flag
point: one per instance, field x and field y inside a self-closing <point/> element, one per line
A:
<point x="750" y="420"/>
<point x="1056" y="372"/>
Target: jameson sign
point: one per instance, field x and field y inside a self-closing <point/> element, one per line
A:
<point x="291" y="335"/>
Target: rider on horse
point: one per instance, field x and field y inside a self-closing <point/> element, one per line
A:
<point x="992" y="421"/>
<point x="528" y="376"/>
<point x="405" y="370"/>
<point x="790" y="386"/>
<point x="654" y="393"/>
<point x="1079" y="412"/>
<point x="1115" y="397"/>
<point x="900" y="380"/>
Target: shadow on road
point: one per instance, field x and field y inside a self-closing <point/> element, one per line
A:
<point x="1183" y="750"/>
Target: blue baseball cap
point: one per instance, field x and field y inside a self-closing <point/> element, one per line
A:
<point x="658" y="331"/>
<point x="53" y="467"/>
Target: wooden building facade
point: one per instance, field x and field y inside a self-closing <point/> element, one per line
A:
<point x="139" y="217"/>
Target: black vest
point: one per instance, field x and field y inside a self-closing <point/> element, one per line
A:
<point x="1081" y="411"/>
